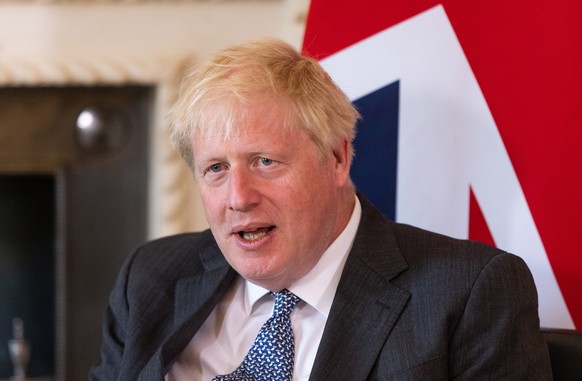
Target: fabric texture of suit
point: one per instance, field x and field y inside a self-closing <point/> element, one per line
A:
<point x="410" y="305"/>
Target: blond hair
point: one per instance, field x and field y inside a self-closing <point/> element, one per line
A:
<point x="215" y="95"/>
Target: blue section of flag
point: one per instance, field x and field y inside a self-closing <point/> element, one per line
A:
<point x="376" y="144"/>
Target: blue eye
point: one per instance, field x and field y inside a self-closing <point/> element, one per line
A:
<point x="215" y="168"/>
<point x="266" y="161"/>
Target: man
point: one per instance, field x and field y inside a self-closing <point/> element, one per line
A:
<point x="268" y="136"/>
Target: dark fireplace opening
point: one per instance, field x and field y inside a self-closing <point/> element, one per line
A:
<point x="28" y="269"/>
<point x="73" y="204"/>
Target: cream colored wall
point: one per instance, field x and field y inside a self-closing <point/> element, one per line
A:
<point x="142" y="30"/>
<point x="101" y="42"/>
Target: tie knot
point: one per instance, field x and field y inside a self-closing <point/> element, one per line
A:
<point x="285" y="302"/>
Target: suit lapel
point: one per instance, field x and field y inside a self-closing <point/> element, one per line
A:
<point x="194" y="294"/>
<point x="366" y="305"/>
<point x="195" y="297"/>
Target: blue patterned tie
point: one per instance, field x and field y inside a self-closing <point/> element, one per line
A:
<point x="272" y="353"/>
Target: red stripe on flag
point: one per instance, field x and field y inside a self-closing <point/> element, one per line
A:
<point x="478" y="228"/>
<point x="335" y="25"/>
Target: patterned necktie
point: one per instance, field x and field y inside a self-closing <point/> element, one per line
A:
<point x="272" y="353"/>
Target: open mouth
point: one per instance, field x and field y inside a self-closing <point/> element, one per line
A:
<point x="255" y="234"/>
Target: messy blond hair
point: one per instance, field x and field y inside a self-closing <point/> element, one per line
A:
<point x="216" y="95"/>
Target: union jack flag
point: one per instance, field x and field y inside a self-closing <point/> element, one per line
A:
<point x="472" y="123"/>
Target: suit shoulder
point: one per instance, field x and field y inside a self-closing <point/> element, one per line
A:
<point x="178" y="243"/>
<point x="438" y="262"/>
<point x="412" y="239"/>
<point x="177" y="254"/>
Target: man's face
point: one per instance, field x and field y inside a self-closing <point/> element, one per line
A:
<point x="272" y="203"/>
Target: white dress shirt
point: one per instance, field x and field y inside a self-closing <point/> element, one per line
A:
<point x="228" y="333"/>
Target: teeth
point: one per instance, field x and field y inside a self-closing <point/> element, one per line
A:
<point x="253" y="236"/>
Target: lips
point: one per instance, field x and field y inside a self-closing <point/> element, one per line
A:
<point x="255" y="234"/>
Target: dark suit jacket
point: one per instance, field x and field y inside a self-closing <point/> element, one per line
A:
<point x="410" y="305"/>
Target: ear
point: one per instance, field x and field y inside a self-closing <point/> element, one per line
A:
<point x="342" y="156"/>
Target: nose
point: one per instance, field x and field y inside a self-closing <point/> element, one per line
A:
<point x="243" y="192"/>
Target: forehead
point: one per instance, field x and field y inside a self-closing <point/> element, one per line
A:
<point x="248" y="142"/>
<point x="260" y="137"/>
<point x="232" y="118"/>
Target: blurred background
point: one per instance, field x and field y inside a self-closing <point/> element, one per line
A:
<point x="86" y="171"/>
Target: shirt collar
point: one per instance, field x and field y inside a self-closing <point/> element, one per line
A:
<point x="317" y="288"/>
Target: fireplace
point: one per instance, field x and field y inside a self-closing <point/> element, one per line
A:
<point x="28" y="262"/>
<point x="74" y="179"/>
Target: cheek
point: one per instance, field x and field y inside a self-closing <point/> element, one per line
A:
<point x="309" y="181"/>
<point x="211" y="204"/>
<point x="318" y="187"/>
